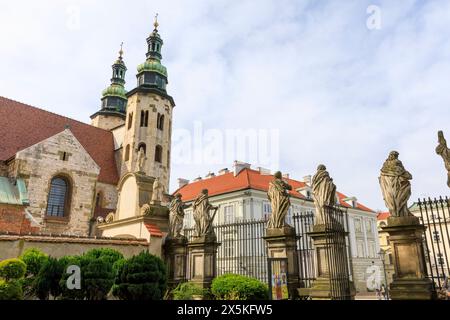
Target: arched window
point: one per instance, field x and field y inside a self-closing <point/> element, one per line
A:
<point x="143" y="146"/>
<point x="127" y="152"/>
<point x="130" y="119"/>
<point x="158" y="153"/>
<point x="58" y="204"/>
<point x="160" y="121"/>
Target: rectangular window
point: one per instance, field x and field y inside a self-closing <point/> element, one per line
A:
<point x="267" y="210"/>
<point x="358" y="225"/>
<point x="436" y="236"/>
<point x="228" y="214"/>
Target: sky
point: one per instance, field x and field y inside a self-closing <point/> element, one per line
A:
<point x="335" y="82"/>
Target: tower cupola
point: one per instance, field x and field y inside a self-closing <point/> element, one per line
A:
<point x="114" y="99"/>
<point x="152" y="73"/>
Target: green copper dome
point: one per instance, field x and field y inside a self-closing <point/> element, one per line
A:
<point x="115" y="90"/>
<point x="152" y="65"/>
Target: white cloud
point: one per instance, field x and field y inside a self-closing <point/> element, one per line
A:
<point x="340" y="94"/>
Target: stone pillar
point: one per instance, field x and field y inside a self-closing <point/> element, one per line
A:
<point x="203" y="260"/>
<point x="281" y="243"/>
<point x="410" y="281"/>
<point x="328" y="252"/>
<point x="175" y="250"/>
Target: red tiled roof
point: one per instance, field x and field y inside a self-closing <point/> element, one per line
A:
<point x="383" y="215"/>
<point x="246" y="179"/>
<point x="154" y="230"/>
<point x="22" y="126"/>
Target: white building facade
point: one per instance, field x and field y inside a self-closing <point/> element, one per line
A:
<point x="241" y="196"/>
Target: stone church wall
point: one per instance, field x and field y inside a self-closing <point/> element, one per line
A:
<point x="12" y="246"/>
<point x="38" y="164"/>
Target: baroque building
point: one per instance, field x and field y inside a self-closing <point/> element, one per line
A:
<point x="241" y="195"/>
<point x="59" y="175"/>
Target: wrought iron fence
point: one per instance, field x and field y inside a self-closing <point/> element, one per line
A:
<point x="337" y="253"/>
<point x="303" y="223"/>
<point x="435" y="216"/>
<point x="242" y="250"/>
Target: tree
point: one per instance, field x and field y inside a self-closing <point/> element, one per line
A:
<point x="34" y="259"/>
<point x="47" y="280"/>
<point x="12" y="269"/>
<point x="142" y="277"/>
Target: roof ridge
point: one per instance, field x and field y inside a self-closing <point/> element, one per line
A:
<point x="53" y="113"/>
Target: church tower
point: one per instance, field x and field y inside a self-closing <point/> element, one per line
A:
<point x="149" y="117"/>
<point x="114" y="99"/>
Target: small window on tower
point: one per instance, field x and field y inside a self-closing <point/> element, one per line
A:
<point x="142" y="118"/>
<point x="146" y="119"/>
<point x="158" y="153"/>
<point x="130" y="120"/>
<point x="127" y="152"/>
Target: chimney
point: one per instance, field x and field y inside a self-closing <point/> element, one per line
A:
<point x="197" y="179"/>
<point x="239" y="166"/>
<point x="182" y="182"/>
<point x="307" y="179"/>
<point x="210" y="175"/>
<point x="285" y="175"/>
<point x="264" y="171"/>
<point x="223" y="171"/>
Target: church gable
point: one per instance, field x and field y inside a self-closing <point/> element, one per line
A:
<point x="61" y="177"/>
<point x="62" y="151"/>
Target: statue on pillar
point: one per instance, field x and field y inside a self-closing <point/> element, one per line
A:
<point x="395" y="186"/>
<point x="141" y="159"/>
<point x="176" y="216"/>
<point x="324" y="193"/>
<point x="444" y="152"/>
<point x="158" y="190"/>
<point x="203" y="221"/>
<point x="278" y="195"/>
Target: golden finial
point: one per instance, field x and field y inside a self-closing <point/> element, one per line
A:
<point x="155" y="24"/>
<point x="121" y="50"/>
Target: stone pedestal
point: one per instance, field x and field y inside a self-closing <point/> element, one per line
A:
<point x="175" y="250"/>
<point x="281" y="243"/>
<point x="410" y="281"/>
<point x="203" y="260"/>
<point x="321" y="288"/>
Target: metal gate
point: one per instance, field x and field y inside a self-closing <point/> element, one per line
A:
<point x="434" y="215"/>
<point x="337" y="253"/>
<point x="242" y="248"/>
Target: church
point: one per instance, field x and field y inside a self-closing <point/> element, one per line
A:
<point x="59" y="176"/>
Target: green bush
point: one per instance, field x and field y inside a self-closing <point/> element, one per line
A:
<point x="238" y="287"/>
<point x="110" y="255"/>
<point x="187" y="291"/>
<point x="98" y="277"/>
<point x="65" y="262"/>
<point x="12" y="269"/>
<point x="34" y="259"/>
<point x="47" y="280"/>
<point x="10" y="290"/>
<point x="142" y="277"/>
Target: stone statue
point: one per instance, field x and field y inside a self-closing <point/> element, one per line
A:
<point x="324" y="193"/>
<point x="203" y="221"/>
<point x="444" y="152"/>
<point x="176" y="216"/>
<point x="158" y="190"/>
<point x="279" y="199"/>
<point x="395" y="186"/>
<point x="141" y="160"/>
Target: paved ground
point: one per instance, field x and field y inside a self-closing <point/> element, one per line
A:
<point x="366" y="296"/>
